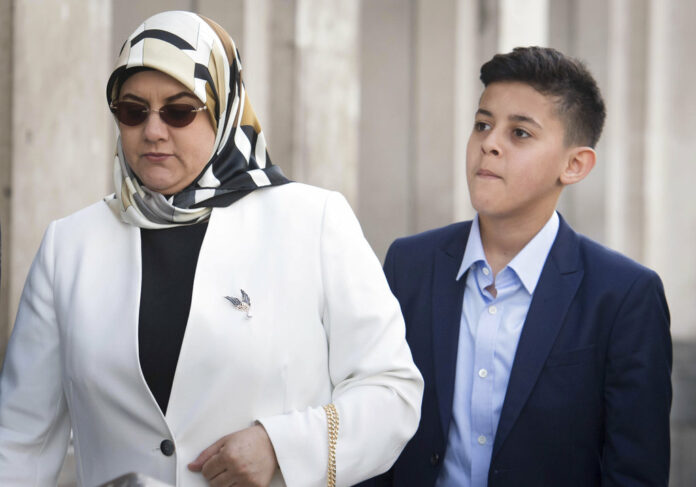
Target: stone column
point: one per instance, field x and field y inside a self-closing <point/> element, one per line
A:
<point x="584" y="204"/>
<point x="624" y="133"/>
<point x="419" y="87"/>
<point x="283" y="84"/>
<point x="432" y="175"/>
<point x="5" y="166"/>
<point x="469" y="51"/>
<point x="523" y="23"/>
<point x="327" y="95"/>
<point x="256" y="57"/>
<point x="61" y="144"/>
<point x="386" y="121"/>
<point x="230" y="14"/>
<point x="670" y="169"/>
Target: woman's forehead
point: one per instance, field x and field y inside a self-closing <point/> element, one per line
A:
<point x="153" y="83"/>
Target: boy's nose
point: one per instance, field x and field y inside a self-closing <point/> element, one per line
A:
<point x="490" y="144"/>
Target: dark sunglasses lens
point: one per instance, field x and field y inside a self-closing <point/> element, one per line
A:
<point x="131" y="114"/>
<point x="178" y="114"/>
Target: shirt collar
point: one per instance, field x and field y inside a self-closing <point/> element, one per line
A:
<point x="474" y="249"/>
<point x="527" y="264"/>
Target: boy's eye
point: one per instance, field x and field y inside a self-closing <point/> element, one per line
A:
<point x="481" y="126"/>
<point x="521" y="134"/>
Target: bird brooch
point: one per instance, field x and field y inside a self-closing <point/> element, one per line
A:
<point x="243" y="305"/>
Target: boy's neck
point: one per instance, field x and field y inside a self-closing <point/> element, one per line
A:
<point x="503" y="238"/>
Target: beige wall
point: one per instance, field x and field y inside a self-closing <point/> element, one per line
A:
<point x="386" y="149"/>
<point x="373" y="98"/>
<point x="670" y="164"/>
<point x="59" y="122"/>
<point x="5" y="164"/>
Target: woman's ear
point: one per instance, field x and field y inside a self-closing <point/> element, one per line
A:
<point x="580" y="162"/>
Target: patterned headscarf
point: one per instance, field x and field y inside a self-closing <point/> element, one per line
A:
<point x="200" y="55"/>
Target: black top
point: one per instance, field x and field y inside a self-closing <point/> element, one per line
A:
<point x="169" y="259"/>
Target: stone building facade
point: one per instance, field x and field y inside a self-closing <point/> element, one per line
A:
<point x="375" y="98"/>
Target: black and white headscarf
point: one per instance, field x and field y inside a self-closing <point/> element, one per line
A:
<point x="189" y="48"/>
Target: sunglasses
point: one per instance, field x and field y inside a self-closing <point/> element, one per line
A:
<point x="174" y="114"/>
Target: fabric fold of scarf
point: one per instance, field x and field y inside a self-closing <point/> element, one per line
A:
<point x="201" y="56"/>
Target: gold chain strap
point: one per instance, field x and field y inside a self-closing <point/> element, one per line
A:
<point x="332" y="424"/>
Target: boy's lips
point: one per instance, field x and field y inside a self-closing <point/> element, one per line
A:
<point x="485" y="173"/>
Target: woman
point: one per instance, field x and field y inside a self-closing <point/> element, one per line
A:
<point x="209" y="323"/>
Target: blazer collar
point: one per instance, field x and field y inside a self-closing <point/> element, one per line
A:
<point x="558" y="283"/>
<point x="447" y="296"/>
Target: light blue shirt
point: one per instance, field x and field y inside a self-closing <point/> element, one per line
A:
<point x="489" y="331"/>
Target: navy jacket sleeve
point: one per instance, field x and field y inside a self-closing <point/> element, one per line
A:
<point x="637" y="390"/>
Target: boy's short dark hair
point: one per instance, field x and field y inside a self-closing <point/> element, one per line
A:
<point x="550" y="72"/>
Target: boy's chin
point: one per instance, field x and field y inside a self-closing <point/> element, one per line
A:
<point x="487" y="208"/>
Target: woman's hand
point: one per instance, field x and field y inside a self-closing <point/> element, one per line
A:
<point x="244" y="458"/>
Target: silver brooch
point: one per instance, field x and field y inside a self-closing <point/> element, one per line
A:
<point x="244" y="305"/>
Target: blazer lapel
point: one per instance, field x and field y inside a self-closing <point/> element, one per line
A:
<point x="447" y="295"/>
<point x="555" y="290"/>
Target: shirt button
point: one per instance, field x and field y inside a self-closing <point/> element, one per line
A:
<point x="492" y="310"/>
<point x="485" y="271"/>
<point x="482" y="440"/>
<point x="483" y="373"/>
<point x="167" y="448"/>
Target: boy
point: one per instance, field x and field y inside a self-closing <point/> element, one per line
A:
<point x="546" y="357"/>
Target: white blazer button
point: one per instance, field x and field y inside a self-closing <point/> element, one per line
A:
<point x="167" y="448"/>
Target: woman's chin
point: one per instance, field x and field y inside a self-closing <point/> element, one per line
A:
<point x="161" y="181"/>
<point x="163" y="187"/>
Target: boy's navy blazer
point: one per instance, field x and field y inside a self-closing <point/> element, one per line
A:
<point x="589" y="393"/>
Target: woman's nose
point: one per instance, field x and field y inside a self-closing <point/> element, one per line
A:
<point x="155" y="129"/>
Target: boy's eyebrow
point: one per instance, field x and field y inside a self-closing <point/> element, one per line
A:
<point x="514" y="118"/>
<point x="524" y="118"/>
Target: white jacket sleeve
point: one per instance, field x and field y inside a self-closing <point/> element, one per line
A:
<point x="34" y="424"/>
<point x="377" y="388"/>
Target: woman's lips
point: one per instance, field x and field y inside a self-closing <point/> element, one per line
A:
<point x="156" y="156"/>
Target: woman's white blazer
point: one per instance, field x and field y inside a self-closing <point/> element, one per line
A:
<point x="324" y="328"/>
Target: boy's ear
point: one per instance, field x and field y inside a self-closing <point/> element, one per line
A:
<point x="580" y="162"/>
